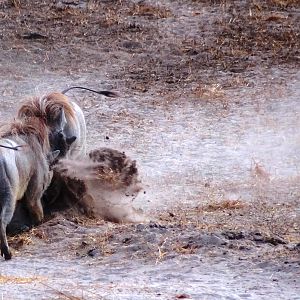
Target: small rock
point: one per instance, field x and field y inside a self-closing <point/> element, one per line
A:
<point x="257" y="237"/>
<point x="93" y="252"/>
<point x="33" y="36"/>
<point x="231" y="235"/>
<point x="156" y="225"/>
<point x="292" y="246"/>
<point x="182" y="296"/>
<point x="126" y="240"/>
<point x="140" y="227"/>
<point x="131" y="45"/>
<point x="275" y="240"/>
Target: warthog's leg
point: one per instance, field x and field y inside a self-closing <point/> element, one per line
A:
<point x="33" y="197"/>
<point x="35" y="207"/>
<point x="5" y="252"/>
<point x="7" y="206"/>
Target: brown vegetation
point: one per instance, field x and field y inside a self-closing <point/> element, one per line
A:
<point x="246" y="34"/>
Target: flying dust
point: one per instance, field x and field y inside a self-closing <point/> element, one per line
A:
<point x="103" y="185"/>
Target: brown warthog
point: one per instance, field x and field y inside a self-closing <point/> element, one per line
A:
<point x="48" y="108"/>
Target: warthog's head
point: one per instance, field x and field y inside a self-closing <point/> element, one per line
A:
<point x="57" y="138"/>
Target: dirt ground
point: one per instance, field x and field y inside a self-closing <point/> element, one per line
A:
<point x="209" y="107"/>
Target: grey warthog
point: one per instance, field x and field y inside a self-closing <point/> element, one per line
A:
<point x="24" y="174"/>
<point x="21" y="219"/>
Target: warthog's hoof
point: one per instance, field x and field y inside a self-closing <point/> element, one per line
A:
<point x="5" y="252"/>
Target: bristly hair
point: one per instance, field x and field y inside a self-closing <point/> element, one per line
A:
<point x="28" y="127"/>
<point x="47" y="108"/>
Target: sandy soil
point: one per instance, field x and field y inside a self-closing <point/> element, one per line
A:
<point x="209" y="108"/>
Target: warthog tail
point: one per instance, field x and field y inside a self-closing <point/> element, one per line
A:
<point x="105" y="93"/>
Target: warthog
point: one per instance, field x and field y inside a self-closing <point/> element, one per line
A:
<point x="21" y="219"/>
<point x="48" y="108"/>
<point x="24" y="173"/>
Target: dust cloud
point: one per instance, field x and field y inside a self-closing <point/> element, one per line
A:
<point x="105" y="184"/>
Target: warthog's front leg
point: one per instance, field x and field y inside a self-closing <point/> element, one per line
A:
<point x="33" y="197"/>
<point x="35" y="208"/>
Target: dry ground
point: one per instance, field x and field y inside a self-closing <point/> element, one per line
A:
<point x="222" y="54"/>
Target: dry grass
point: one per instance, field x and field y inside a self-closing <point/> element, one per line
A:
<point x="4" y="279"/>
<point x="161" y="252"/>
<point x="285" y="3"/>
<point x="20" y="240"/>
<point x="242" y="38"/>
<point x="149" y="11"/>
<point x="26" y="238"/>
<point x="102" y="242"/>
<point x="270" y="219"/>
<point x="179" y="231"/>
<point x="244" y="35"/>
<point x="112" y="17"/>
<point x="253" y="30"/>
<point x="98" y="242"/>
<point x="16" y="4"/>
<point x="223" y="205"/>
<point x="209" y="92"/>
<point x="83" y="220"/>
<point x="275" y="220"/>
<point x="184" y="249"/>
<point x="63" y="295"/>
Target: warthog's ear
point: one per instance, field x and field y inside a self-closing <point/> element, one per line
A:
<point x="61" y="119"/>
<point x="52" y="156"/>
<point x="71" y="140"/>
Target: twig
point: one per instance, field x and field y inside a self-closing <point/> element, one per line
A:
<point x="61" y="293"/>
